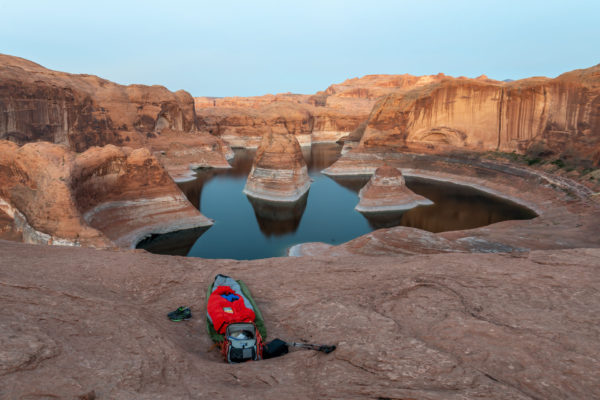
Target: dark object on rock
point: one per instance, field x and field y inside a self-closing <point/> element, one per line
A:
<point x="318" y="347"/>
<point x="88" y="396"/>
<point x="275" y="348"/>
<point x="180" y="314"/>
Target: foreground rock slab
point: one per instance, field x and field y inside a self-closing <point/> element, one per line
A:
<point x="437" y="326"/>
<point x="386" y="191"/>
<point x="279" y="172"/>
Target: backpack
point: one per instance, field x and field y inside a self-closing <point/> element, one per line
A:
<point x="242" y="343"/>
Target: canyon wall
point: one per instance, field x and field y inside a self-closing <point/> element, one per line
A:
<point x="102" y="197"/>
<point x="84" y="110"/>
<point x="558" y="116"/>
<point x="81" y="111"/>
<point x="323" y="117"/>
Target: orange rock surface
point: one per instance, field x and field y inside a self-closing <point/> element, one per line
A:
<point x="430" y="326"/>
<point x="559" y="116"/>
<point x="279" y="172"/>
<point x="323" y="117"/>
<point x="80" y="111"/>
<point x="386" y="191"/>
<point x="101" y="197"/>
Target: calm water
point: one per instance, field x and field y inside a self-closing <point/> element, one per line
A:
<point x="246" y="228"/>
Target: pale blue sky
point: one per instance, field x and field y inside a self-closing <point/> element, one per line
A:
<point x="225" y="48"/>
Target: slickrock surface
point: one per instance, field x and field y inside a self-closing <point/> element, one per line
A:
<point x="103" y="196"/>
<point x="440" y="326"/>
<point x="559" y="117"/>
<point x="387" y="191"/>
<point x="323" y="117"/>
<point x="81" y="111"/>
<point x="279" y="172"/>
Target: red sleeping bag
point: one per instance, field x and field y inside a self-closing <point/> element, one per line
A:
<point x="227" y="307"/>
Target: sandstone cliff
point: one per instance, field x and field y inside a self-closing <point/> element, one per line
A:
<point x="559" y="117"/>
<point x="80" y="111"/>
<point x="102" y="196"/>
<point x="323" y="117"/>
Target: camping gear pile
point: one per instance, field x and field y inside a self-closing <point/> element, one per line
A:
<point x="236" y="325"/>
<point x="234" y="321"/>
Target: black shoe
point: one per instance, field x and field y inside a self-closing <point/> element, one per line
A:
<point x="180" y="314"/>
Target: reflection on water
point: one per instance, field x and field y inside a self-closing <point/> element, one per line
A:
<point x="455" y="207"/>
<point x="246" y="228"/>
<point x="278" y="218"/>
<point x="176" y="243"/>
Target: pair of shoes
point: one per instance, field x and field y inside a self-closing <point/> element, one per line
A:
<point x="180" y="314"/>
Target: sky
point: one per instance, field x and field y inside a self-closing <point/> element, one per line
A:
<point x="246" y="48"/>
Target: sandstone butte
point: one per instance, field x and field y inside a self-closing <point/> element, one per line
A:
<point x="81" y="111"/>
<point x="505" y="311"/>
<point x="386" y="191"/>
<point x="279" y="172"/>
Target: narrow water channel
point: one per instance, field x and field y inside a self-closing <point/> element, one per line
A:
<point x="246" y="228"/>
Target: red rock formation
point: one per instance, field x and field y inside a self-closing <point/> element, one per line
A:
<point x="245" y="127"/>
<point x="386" y="191"/>
<point x="102" y="196"/>
<point x="324" y="117"/>
<point x="37" y="104"/>
<point x="279" y="172"/>
<point x="181" y="153"/>
<point x="559" y="116"/>
<point x="84" y="110"/>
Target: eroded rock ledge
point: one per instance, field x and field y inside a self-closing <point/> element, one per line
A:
<point x="102" y="197"/>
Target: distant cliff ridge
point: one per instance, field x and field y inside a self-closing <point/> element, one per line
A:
<point x="84" y="110"/>
<point x="434" y="113"/>
<point x="559" y="116"/>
